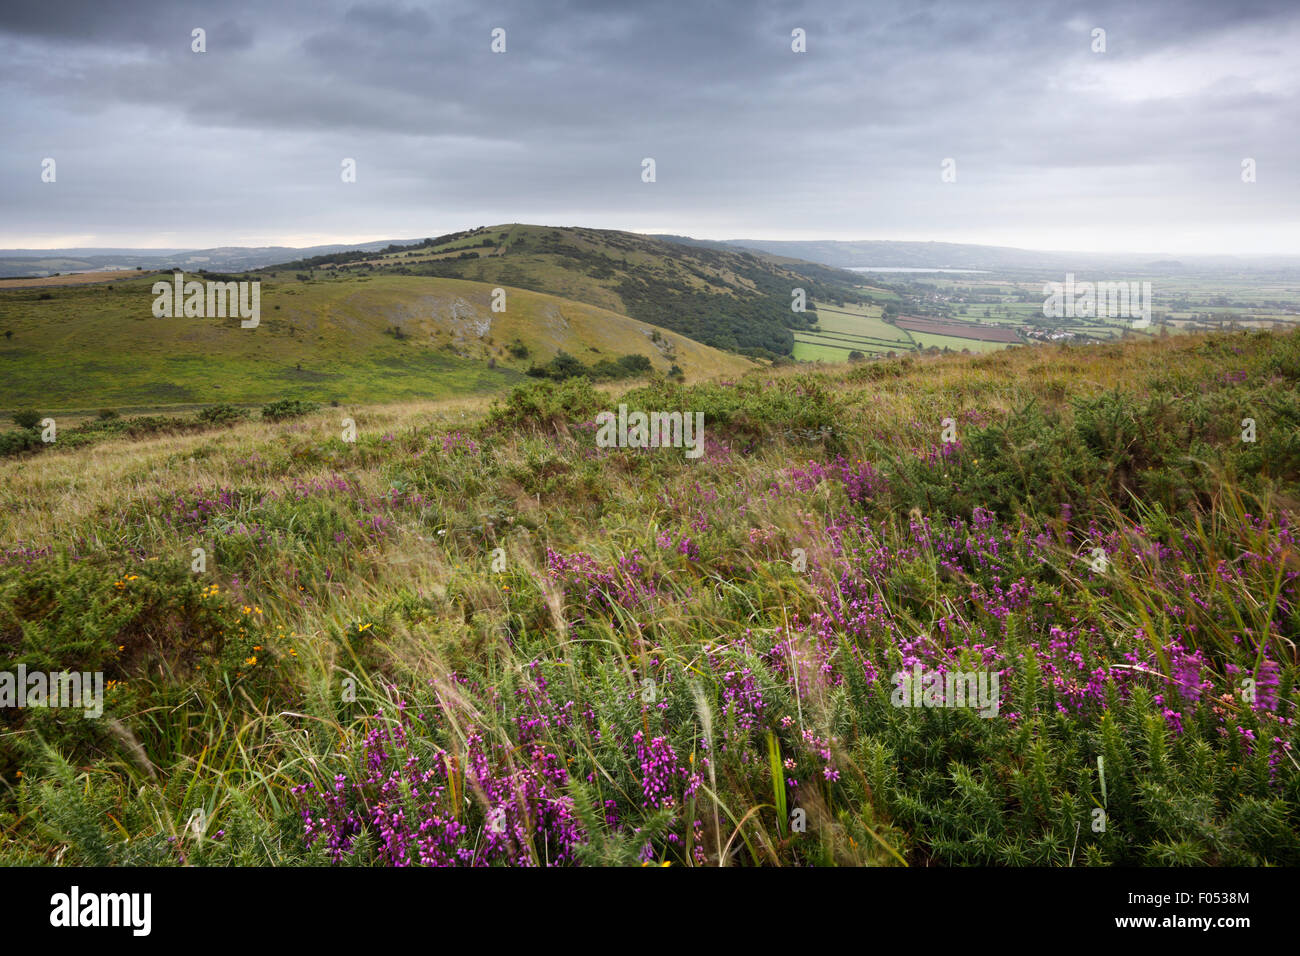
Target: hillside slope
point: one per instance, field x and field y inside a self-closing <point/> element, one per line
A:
<point x="340" y="338"/>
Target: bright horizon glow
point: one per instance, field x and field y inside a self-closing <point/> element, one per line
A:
<point x="1251" y="243"/>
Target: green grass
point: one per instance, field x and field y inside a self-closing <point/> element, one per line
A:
<point x="849" y="327"/>
<point x="807" y="352"/>
<point x="857" y="320"/>
<point x="928" y="339"/>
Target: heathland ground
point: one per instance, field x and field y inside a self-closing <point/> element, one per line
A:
<point x="474" y="636"/>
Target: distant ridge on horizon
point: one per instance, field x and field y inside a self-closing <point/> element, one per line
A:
<point x="843" y="254"/>
<point x="889" y="253"/>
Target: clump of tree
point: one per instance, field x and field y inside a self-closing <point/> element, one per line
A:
<point x="565" y="366"/>
<point x="628" y="366"/>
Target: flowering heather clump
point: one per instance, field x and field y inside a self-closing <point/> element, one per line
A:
<point x="660" y="770"/>
<point x="24" y="555"/>
<point x="743" y="701"/>
<point x="375" y="527"/>
<point x="413" y="804"/>
<point x="196" y="511"/>
<point x="861" y="482"/>
<point x="627" y="584"/>
<point x="458" y="442"/>
<point x="301" y="490"/>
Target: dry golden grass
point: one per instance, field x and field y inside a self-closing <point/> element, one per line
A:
<point x="43" y="497"/>
<point x="79" y="278"/>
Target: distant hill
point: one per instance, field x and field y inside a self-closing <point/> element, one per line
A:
<point x="42" y="262"/>
<point x="731" y="299"/>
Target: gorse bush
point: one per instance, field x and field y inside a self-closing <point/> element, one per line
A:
<point x="109" y="424"/>
<point x="546" y="406"/>
<point x="224" y="414"/>
<point x="152" y="630"/>
<point x="288" y="408"/>
<point x="796" y="410"/>
<point x="17" y="442"/>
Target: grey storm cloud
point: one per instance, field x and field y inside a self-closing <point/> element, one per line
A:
<point x="1055" y="145"/>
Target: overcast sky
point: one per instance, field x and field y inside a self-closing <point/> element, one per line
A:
<point x="1139" y="148"/>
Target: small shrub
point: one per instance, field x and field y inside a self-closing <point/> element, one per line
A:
<point x="17" y="442"/>
<point x="547" y="406"/>
<point x="636" y="364"/>
<point x="223" y="414"/>
<point x="288" y="408"/>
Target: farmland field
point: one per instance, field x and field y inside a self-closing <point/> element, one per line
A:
<point x="965" y="330"/>
<point x="846" y="328"/>
<point x="856" y="326"/>
<point x="927" y="340"/>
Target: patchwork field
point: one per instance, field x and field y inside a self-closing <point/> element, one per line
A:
<point x="959" y="330"/>
<point x="842" y="329"/>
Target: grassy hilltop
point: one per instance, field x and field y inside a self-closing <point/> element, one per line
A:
<point x="475" y="637"/>
<point x="731" y="299"/>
